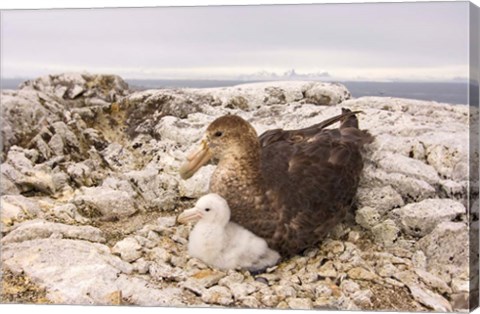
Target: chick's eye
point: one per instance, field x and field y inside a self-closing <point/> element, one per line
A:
<point x="218" y="133"/>
<point x="207" y="209"/>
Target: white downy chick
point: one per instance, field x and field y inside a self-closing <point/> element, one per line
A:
<point x="223" y="244"/>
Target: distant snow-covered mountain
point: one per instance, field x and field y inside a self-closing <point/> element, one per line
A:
<point x="287" y="75"/>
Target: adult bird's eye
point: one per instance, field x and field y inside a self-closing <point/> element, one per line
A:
<point x="207" y="209"/>
<point x="218" y="133"/>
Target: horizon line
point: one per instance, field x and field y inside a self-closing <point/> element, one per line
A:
<point x="250" y="78"/>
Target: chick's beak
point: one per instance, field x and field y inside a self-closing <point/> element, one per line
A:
<point x="188" y="215"/>
<point x="195" y="160"/>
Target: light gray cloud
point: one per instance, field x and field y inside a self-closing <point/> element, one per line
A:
<point x="363" y="39"/>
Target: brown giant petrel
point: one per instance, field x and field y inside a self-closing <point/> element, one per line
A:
<point x="288" y="187"/>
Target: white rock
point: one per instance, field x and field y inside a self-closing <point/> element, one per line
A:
<point x="141" y="292"/>
<point x="410" y="167"/>
<point x="39" y="228"/>
<point x="119" y="157"/>
<point x="327" y="270"/>
<point x="453" y="189"/>
<point x="257" y="94"/>
<point x="269" y="300"/>
<point x="324" y="95"/>
<point x="172" y="128"/>
<point x="206" y="278"/>
<point x="159" y="190"/>
<point x="19" y="159"/>
<point x="343" y="303"/>
<point x="7" y="187"/>
<point x="284" y="291"/>
<point x="217" y="295"/>
<point x="459" y="285"/>
<point x="166" y="222"/>
<point x="433" y="281"/>
<point x="383" y="199"/>
<point x="72" y="271"/>
<point x="165" y="272"/>
<point x="160" y="255"/>
<point x="354" y="236"/>
<point x="75" y="92"/>
<point x="129" y="249"/>
<point x="275" y="95"/>
<point x="68" y="213"/>
<point x="446" y="249"/>
<point x="447" y="151"/>
<point x="419" y="260"/>
<point x="23" y="113"/>
<point x="20" y="171"/>
<point x="419" y="219"/>
<point x="241" y="290"/>
<point x="360" y="273"/>
<point x="96" y="102"/>
<point x="332" y="246"/>
<point x="232" y="277"/>
<point x="386" y="232"/>
<point x="56" y="145"/>
<point x="322" y="290"/>
<point x="387" y="270"/>
<point x="300" y="303"/>
<point x="363" y="297"/>
<point x="350" y="254"/>
<point x="250" y="301"/>
<point x="153" y="237"/>
<point x="16" y="208"/>
<point x="141" y="265"/>
<point x="67" y="137"/>
<point x="367" y="217"/>
<point x="71" y="85"/>
<point x="105" y="201"/>
<point x="409" y="188"/>
<point x="430" y="299"/>
<point x="393" y="143"/>
<point x="80" y="173"/>
<point x="61" y="182"/>
<point x="349" y="287"/>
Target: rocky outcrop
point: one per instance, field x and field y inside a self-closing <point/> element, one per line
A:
<point x="44" y="112"/>
<point x="93" y="89"/>
<point x="90" y="192"/>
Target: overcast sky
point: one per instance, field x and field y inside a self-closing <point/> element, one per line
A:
<point x="385" y="41"/>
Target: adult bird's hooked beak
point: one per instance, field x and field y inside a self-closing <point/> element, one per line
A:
<point x="195" y="160"/>
<point x="188" y="215"/>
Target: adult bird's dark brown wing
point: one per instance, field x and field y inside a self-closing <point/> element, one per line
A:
<point x="312" y="176"/>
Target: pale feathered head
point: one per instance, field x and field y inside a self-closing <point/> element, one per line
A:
<point x="210" y="208"/>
